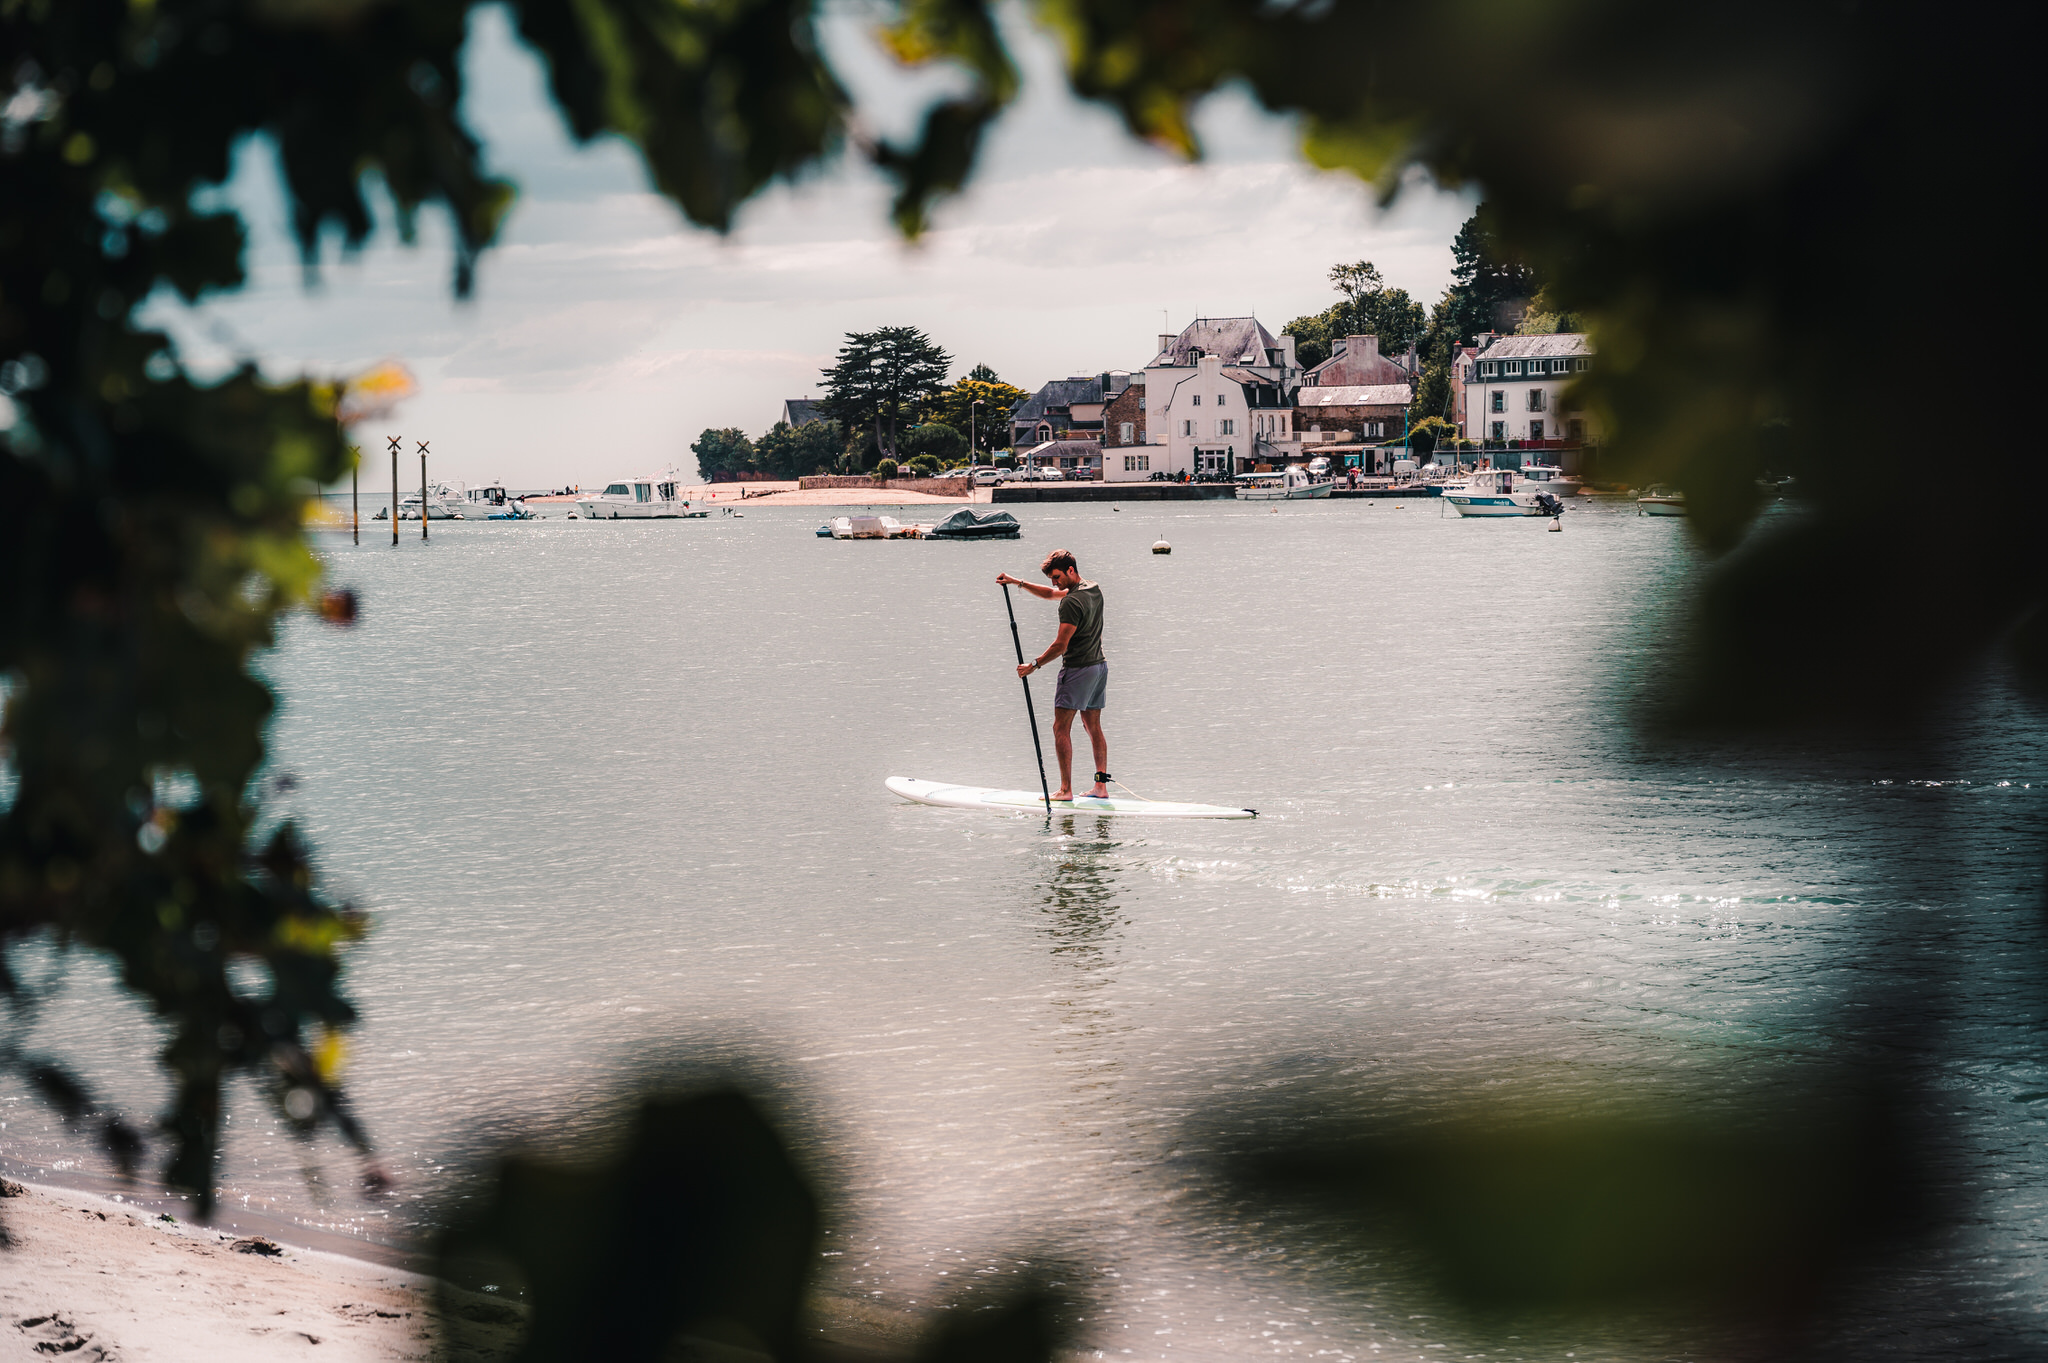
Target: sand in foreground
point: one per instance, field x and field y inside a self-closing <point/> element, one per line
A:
<point x="90" y="1280"/>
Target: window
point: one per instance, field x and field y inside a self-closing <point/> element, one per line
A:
<point x="1579" y="363"/>
<point x="1535" y="399"/>
<point x="1137" y="463"/>
<point x="1511" y="367"/>
<point x="618" y="490"/>
<point x="1489" y="368"/>
<point x="1226" y="428"/>
<point x="1500" y="402"/>
<point x="1141" y="402"/>
<point x="1500" y="430"/>
<point x="1187" y="428"/>
<point x="1197" y="399"/>
<point x="668" y="492"/>
<point x="642" y="492"/>
<point x="1535" y="430"/>
<point x="1123" y="433"/>
<point x="1219" y="400"/>
<point x="1578" y="429"/>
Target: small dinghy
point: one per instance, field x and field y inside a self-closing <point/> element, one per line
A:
<point x="1026" y="801"/>
<point x="965" y="525"/>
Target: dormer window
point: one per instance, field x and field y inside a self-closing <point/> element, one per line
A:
<point x="1514" y="368"/>
<point x="1579" y="364"/>
<point x="1488" y="368"/>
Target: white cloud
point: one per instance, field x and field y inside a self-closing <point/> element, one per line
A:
<point x="607" y="332"/>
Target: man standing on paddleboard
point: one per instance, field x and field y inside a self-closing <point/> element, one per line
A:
<point x="1084" y="674"/>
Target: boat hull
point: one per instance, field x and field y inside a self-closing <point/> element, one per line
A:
<point x="600" y="509"/>
<point x="1485" y="504"/>
<point x="1286" y="494"/>
<point x="1660" y="506"/>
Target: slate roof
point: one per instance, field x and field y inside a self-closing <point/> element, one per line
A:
<point x="803" y="411"/>
<point x="1064" y="449"/>
<point x="1552" y="346"/>
<point x="1236" y="340"/>
<point x="1058" y="393"/>
<point x="1371" y="395"/>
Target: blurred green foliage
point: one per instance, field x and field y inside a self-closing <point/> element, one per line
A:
<point x="1728" y="197"/>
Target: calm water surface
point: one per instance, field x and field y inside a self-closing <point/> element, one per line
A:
<point x="614" y="794"/>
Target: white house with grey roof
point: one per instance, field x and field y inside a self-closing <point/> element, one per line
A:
<point x="1218" y="399"/>
<point x="1514" y="389"/>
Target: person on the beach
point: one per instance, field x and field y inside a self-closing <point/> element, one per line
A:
<point x="1084" y="673"/>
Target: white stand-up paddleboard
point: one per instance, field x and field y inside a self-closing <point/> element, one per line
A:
<point x="1024" y="801"/>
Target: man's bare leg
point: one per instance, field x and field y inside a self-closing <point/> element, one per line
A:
<point x="1063" y="748"/>
<point x="1091" y="720"/>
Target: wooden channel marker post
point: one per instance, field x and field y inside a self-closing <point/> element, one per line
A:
<point x="394" y="487"/>
<point x="423" y="491"/>
<point x="355" y="495"/>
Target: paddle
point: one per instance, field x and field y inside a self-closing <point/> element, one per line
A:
<point x="1029" y="713"/>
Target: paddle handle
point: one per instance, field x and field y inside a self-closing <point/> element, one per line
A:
<point x="1029" y="713"/>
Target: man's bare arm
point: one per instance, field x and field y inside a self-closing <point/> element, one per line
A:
<point x="1059" y="646"/>
<point x="1037" y="589"/>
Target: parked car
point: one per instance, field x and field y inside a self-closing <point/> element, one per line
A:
<point x="984" y="476"/>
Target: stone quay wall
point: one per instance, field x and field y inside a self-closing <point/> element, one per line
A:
<point x="936" y="487"/>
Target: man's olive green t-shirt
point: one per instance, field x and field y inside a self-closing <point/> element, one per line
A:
<point x="1082" y="608"/>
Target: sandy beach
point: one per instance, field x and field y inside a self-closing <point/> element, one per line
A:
<point x="87" y="1278"/>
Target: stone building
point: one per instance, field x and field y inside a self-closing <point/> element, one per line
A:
<point x="1356" y="362"/>
<point x="1123" y="420"/>
<point x="1362" y="415"/>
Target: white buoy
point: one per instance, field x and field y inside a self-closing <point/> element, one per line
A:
<point x="1556" y="524"/>
<point x="1160" y="546"/>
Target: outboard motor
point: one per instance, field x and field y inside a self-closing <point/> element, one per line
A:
<point x="1548" y="505"/>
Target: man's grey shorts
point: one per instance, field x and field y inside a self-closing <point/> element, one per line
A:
<point x="1081" y="688"/>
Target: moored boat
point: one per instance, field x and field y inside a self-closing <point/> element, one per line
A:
<point x="1292" y="485"/>
<point x="639" y="499"/>
<point x="1493" y="492"/>
<point x="1661" y="501"/>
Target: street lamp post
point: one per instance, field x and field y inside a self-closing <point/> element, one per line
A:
<point x="973" y="447"/>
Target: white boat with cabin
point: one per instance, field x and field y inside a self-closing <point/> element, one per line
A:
<point x="1497" y="492"/>
<point x="1552" y="479"/>
<point x="639" y="499"/>
<point x="1292" y="485"/>
<point x="444" y="503"/>
<point x="1661" y="501"/>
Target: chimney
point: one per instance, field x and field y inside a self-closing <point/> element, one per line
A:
<point x="1361" y="349"/>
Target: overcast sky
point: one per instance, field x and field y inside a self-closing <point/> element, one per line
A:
<point x="606" y="332"/>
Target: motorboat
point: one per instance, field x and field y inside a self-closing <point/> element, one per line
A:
<point x="875" y="528"/>
<point x="444" y="503"/>
<point x="1661" y="501"/>
<point x="964" y="524"/>
<point x="1552" y="479"/>
<point x="1498" y="492"/>
<point x="491" y="502"/>
<point x="1291" y="485"/>
<point x="640" y="499"/>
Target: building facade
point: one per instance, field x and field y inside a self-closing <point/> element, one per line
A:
<point x="1123" y="420"/>
<point x="1066" y="409"/>
<point x="1217" y="400"/>
<point x="1514" y="388"/>
<point x="1364" y="414"/>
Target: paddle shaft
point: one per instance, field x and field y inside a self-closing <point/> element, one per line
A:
<point x="1029" y="713"/>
